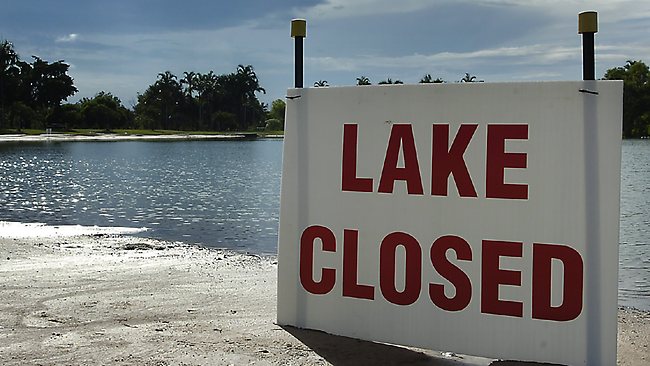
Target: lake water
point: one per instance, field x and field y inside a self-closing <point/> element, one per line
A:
<point x="634" y="249"/>
<point x="217" y="193"/>
<point x="227" y="194"/>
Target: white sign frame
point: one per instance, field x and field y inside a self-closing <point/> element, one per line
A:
<point x="554" y="148"/>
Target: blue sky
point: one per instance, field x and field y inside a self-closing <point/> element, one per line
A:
<point x="120" y="46"/>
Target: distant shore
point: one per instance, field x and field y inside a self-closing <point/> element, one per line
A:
<point x="129" y="137"/>
<point x="103" y="298"/>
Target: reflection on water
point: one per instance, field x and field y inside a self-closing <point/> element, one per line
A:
<point x="226" y="194"/>
<point x="217" y="193"/>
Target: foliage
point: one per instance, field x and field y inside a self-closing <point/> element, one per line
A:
<point x="31" y="95"/>
<point x="428" y="79"/>
<point x="30" y="92"/>
<point x="223" y="121"/>
<point x="321" y="84"/>
<point x="274" y="124"/>
<point x="636" y="97"/>
<point x="390" y="81"/>
<point x="278" y="110"/>
<point x="202" y="101"/>
<point x="363" y="80"/>
<point x="470" y="79"/>
<point x="103" y="111"/>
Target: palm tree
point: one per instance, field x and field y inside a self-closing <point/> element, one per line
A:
<point x="390" y="81"/>
<point x="470" y="79"/>
<point x="321" y="84"/>
<point x="169" y="92"/>
<point x="428" y="79"/>
<point x="247" y="84"/>
<point x="249" y="80"/>
<point x="363" y="80"/>
<point x="206" y="85"/>
<point x="190" y="80"/>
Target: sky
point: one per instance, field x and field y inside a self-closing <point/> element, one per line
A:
<point x="120" y="46"/>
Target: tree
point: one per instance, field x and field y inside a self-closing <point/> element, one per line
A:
<point x="8" y="78"/>
<point x="190" y="79"/>
<point x="51" y="83"/>
<point x="40" y="86"/>
<point x="159" y="107"/>
<point x="168" y="93"/>
<point x="277" y="112"/>
<point x="363" y="80"/>
<point x="103" y="111"/>
<point x="390" y="81"/>
<point x="206" y="87"/>
<point x="428" y="79"/>
<point x="470" y="79"/>
<point x="248" y="84"/>
<point x="68" y="116"/>
<point x="224" y="121"/>
<point x="636" y="97"/>
<point x="321" y="84"/>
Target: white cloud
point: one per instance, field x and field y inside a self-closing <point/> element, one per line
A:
<point x="353" y="8"/>
<point x="68" y="38"/>
<point x="531" y="62"/>
<point x="540" y="54"/>
<point x="609" y="10"/>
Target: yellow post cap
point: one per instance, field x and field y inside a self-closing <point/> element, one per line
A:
<point x="588" y="22"/>
<point x="298" y="28"/>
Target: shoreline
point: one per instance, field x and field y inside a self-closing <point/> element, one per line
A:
<point x="103" y="298"/>
<point x="111" y="137"/>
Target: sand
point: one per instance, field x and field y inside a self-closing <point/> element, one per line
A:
<point x="105" y="299"/>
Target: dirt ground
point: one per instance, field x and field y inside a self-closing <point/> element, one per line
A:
<point x="119" y="300"/>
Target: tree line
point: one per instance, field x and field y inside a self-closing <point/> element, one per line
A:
<point x="202" y="101"/>
<point x="426" y="79"/>
<point x="32" y="95"/>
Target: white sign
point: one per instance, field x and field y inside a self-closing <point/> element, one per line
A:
<point x="474" y="218"/>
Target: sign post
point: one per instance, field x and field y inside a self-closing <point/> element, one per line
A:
<point x="588" y="26"/>
<point x="298" y="32"/>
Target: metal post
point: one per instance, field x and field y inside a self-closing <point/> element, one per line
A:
<point x="298" y="32"/>
<point x="588" y="26"/>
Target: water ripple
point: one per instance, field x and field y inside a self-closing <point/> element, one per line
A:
<point x="184" y="190"/>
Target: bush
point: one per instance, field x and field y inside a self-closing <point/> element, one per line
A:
<point x="274" y="124"/>
<point x="224" y="121"/>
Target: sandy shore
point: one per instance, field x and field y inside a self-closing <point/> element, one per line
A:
<point x="106" y="299"/>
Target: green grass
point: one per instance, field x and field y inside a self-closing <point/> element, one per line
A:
<point x="25" y="131"/>
<point x="264" y="133"/>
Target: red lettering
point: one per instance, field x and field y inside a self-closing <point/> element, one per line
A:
<point x="401" y="135"/>
<point x="413" y="272"/>
<point x="451" y="162"/>
<point x="350" y="181"/>
<point x="492" y="276"/>
<point x="453" y="274"/>
<point x="571" y="260"/>
<point x="498" y="160"/>
<point x="351" y="287"/>
<point x="328" y="275"/>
